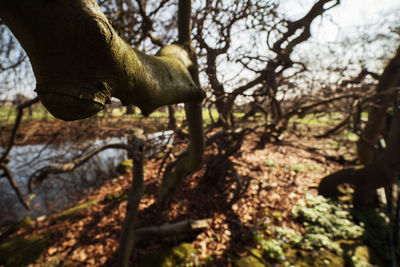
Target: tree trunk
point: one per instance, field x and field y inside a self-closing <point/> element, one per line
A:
<point x="192" y="159"/>
<point x="377" y="114"/>
<point x="379" y="173"/>
<point x="171" y="117"/>
<point x="130" y="109"/>
<point x="79" y="61"/>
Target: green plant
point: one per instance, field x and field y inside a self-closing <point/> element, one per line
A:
<point x="322" y="216"/>
<point x="270" y="164"/>
<point x="295" y="168"/>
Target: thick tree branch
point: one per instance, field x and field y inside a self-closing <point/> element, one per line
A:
<point x="169" y="229"/>
<point x="79" y="65"/>
<point x="361" y="76"/>
<point x="305" y="22"/>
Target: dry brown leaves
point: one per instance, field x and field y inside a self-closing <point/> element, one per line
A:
<point x="274" y="179"/>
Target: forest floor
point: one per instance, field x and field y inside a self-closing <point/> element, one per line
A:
<point x="274" y="180"/>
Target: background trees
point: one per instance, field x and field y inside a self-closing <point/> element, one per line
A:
<point x="253" y="62"/>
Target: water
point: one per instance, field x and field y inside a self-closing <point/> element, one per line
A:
<point x="59" y="190"/>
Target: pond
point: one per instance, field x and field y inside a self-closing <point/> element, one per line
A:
<point x="59" y="190"/>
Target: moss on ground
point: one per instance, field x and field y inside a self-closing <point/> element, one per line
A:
<point x="250" y="260"/>
<point x="19" y="251"/>
<point x="303" y="258"/>
<point x="74" y="210"/>
<point x="125" y="166"/>
<point x="117" y="197"/>
<point x="182" y="255"/>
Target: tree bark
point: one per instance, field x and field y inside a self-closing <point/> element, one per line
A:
<point x="80" y="62"/>
<point x="192" y="159"/>
<point x="171" y="117"/>
<point x="130" y="109"/>
<point x="135" y="195"/>
<point x="377" y="114"/>
<point x="379" y="173"/>
<point x="186" y="226"/>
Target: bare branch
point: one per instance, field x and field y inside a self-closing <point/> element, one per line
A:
<point x="17" y="122"/>
<point x="7" y="173"/>
<point x="44" y="172"/>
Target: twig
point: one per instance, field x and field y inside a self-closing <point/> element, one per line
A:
<point x="44" y="172"/>
<point x="7" y="173"/>
<point x="17" y="122"/>
<point x="335" y="129"/>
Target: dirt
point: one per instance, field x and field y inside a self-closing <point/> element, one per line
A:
<point x="274" y="179"/>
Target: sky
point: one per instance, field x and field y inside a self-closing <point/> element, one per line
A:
<point x="346" y="17"/>
<point x="337" y="23"/>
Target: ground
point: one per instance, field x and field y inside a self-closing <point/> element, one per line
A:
<point x="274" y="179"/>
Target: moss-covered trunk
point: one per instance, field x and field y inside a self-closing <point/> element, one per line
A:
<point x="80" y="62"/>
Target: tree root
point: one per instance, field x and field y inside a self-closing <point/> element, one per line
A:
<point x="365" y="181"/>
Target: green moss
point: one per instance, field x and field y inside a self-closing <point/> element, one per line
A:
<point x="25" y="222"/>
<point x="160" y="155"/>
<point x="117" y="197"/>
<point x="376" y="230"/>
<point x="302" y="258"/>
<point x="356" y="253"/>
<point x="178" y="256"/>
<point x="250" y="260"/>
<point x="19" y="251"/>
<point x="125" y="166"/>
<point x="74" y="210"/>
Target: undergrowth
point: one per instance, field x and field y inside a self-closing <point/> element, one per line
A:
<point x="335" y="234"/>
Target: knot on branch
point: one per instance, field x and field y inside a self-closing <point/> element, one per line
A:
<point x="95" y="34"/>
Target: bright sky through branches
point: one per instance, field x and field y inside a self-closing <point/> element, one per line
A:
<point x="346" y="17"/>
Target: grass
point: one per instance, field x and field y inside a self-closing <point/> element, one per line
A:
<point x="39" y="113"/>
<point x="319" y="119"/>
<point x="8" y="114"/>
